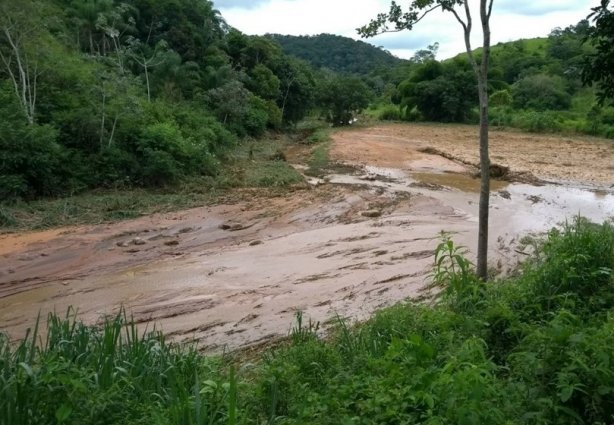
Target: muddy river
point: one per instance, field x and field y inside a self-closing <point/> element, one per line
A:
<point x="232" y="276"/>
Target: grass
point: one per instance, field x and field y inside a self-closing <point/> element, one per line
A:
<point x="254" y="164"/>
<point x="319" y="162"/>
<point x="102" y="206"/>
<point x="110" y="374"/>
<point x="534" y="349"/>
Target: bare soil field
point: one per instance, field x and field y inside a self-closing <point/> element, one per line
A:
<point x="585" y="160"/>
<point x="232" y="276"/>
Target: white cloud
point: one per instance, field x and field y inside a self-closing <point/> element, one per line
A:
<point x="511" y="20"/>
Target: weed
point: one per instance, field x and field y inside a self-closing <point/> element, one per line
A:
<point x="110" y="374"/>
<point x="454" y="273"/>
<point x="319" y="161"/>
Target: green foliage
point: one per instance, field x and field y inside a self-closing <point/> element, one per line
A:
<point x="534" y="84"/>
<point x="341" y="54"/>
<point x="342" y="98"/>
<point x="541" y="92"/>
<point x="500" y="98"/>
<point x="31" y="161"/>
<point x="574" y="266"/>
<point x="439" y="93"/>
<point x="134" y="93"/>
<point x="599" y="64"/>
<point x="111" y="374"/>
<point x="389" y="113"/>
<point x="272" y="174"/>
<point x="454" y="273"/>
<point x="163" y="149"/>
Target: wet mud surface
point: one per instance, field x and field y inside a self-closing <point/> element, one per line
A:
<point x="232" y="276"/>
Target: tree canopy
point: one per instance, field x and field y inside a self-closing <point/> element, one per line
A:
<point x="599" y="65"/>
<point x="337" y="53"/>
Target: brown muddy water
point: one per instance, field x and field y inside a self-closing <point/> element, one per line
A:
<point x="233" y="276"/>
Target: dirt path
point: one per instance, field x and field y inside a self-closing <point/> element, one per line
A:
<point x="234" y="275"/>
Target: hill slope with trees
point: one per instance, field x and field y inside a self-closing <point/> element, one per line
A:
<point x="534" y="84"/>
<point x="140" y="92"/>
<point x="337" y="53"/>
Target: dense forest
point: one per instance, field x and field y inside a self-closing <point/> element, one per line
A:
<point x="109" y="93"/>
<point x="340" y="54"/>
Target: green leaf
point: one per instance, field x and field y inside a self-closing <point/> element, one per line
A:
<point x="63" y="413"/>
<point x="566" y="393"/>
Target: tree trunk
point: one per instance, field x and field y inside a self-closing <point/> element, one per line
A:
<point x="283" y="105"/>
<point x="482" y="266"/>
<point x="102" y="118"/>
<point x="147" y="80"/>
<point x="24" y="83"/>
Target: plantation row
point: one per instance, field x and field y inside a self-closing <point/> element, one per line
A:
<point x="537" y="348"/>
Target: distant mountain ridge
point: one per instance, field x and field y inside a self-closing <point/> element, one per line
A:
<point x="340" y="54"/>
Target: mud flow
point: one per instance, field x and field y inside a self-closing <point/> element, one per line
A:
<point x="360" y="238"/>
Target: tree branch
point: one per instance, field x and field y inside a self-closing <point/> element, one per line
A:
<point x="426" y="13"/>
<point x="379" y="26"/>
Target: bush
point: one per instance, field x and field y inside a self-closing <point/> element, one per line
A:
<point x="501" y="98"/>
<point x="256" y="117"/>
<point x="162" y="152"/>
<point x="541" y="92"/>
<point x="575" y="268"/>
<point x="32" y="163"/>
<point x="115" y="167"/>
<point x="389" y="113"/>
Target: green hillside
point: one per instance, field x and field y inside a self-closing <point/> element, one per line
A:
<point x="337" y="53"/>
<point x="534" y="84"/>
<point x="133" y="93"/>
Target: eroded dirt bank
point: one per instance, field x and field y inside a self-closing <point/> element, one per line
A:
<point x="234" y="275"/>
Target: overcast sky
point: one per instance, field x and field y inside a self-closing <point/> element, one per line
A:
<point x="511" y="20"/>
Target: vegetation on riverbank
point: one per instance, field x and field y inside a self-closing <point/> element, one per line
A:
<point x="537" y="348"/>
<point x="253" y="165"/>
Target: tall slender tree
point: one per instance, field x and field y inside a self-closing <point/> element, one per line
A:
<point x="398" y="19"/>
<point x="20" y="44"/>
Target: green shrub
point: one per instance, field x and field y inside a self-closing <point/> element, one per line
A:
<point x="461" y="288"/>
<point x="389" y="113"/>
<point x="257" y="117"/>
<point x="162" y="151"/>
<point x="575" y="268"/>
<point x="115" y="167"/>
<point x="541" y="92"/>
<point x="32" y="162"/>
<point x="501" y="98"/>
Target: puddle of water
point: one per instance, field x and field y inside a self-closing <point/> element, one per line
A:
<point x="388" y="173"/>
<point x="461" y="182"/>
<point x="545" y="206"/>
